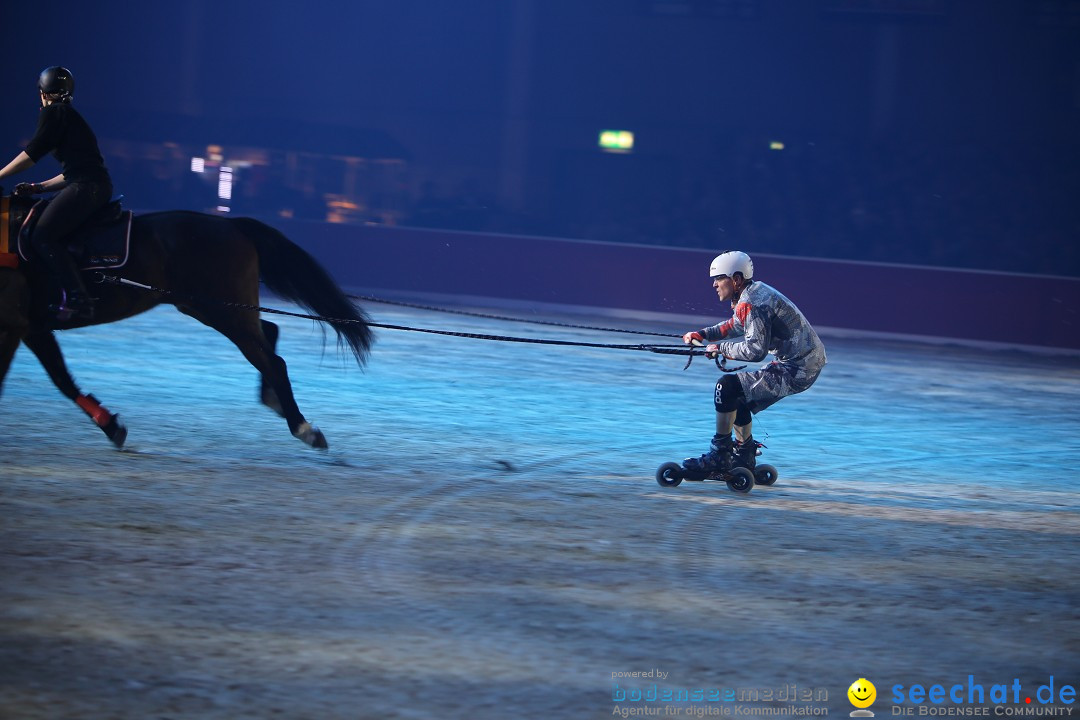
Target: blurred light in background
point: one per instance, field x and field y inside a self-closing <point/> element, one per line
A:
<point x="776" y="145"/>
<point x="225" y="183"/>
<point x="198" y="164"/>
<point x="616" y="141"/>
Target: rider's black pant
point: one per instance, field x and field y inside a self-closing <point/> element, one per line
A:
<point x="67" y="210"/>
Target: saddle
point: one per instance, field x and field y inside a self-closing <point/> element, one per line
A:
<point x="102" y="242"/>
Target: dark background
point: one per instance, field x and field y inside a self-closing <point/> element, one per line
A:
<point x="938" y="132"/>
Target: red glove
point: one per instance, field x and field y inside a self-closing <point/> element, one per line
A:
<point x="691" y="337"/>
<point x="712" y="352"/>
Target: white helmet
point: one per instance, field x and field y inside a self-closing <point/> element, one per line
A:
<point x="731" y="262"/>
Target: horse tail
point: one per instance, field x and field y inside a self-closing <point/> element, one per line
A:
<point x="292" y="273"/>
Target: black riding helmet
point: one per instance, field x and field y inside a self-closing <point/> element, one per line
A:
<point x="56" y="80"/>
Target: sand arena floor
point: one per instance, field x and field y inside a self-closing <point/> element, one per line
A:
<point x="485" y="539"/>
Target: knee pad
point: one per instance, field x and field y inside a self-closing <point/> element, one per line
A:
<point x="729" y="394"/>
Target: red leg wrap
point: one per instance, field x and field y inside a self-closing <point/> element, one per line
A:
<point x="94" y="409"/>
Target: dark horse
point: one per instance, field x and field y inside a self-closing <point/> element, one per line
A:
<point x="204" y="262"/>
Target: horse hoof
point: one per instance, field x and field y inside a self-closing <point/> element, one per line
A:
<point x="115" y="431"/>
<point x="311" y="435"/>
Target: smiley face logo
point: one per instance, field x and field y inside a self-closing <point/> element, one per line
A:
<point x="862" y="693"/>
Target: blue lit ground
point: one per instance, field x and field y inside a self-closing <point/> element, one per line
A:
<point x="924" y="528"/>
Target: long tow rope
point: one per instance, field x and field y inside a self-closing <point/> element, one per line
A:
<point x="660" y="349"/>
<point x="488" y="316"/>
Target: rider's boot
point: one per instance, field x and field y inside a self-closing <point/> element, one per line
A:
<point x="716" y="461"/>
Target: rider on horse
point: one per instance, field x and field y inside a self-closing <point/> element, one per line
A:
<point x="84" y="183"/>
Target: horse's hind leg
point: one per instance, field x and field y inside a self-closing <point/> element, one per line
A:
<point x="267" y="396"/>
<point x="47" y="350"/>
<point x="248" y="333"/>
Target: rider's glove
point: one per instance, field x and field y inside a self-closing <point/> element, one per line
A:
<point x="25" y="188"/>
<point x="712" y="352"/>
<point x="690" y="337"/>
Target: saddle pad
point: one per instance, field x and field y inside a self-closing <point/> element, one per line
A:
<point x="105" y="246"/>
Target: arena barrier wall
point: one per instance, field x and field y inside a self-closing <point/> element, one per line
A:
<point x="964" y="306"/>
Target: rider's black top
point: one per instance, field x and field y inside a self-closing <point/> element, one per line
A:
<point x="62" y="131"/>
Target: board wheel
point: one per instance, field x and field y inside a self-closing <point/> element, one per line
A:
<point x="740" y="480"/>
<point x="765" y="475"/>
<point x="669" y="475"/>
